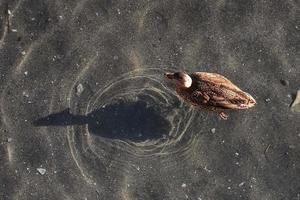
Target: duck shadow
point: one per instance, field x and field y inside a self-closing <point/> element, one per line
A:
<point x="133" y="121"/>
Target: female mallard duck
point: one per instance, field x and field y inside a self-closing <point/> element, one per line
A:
<point x="211" y="91"/>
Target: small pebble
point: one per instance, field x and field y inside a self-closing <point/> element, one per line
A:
<point x="284" y="82"/>
<point x="241" y="184"/>
<point x="25" y="94"/>
<point x="26" y="73"/>
<point x="206" y="169"/>
<point x="42" y="171"/>
<point x="213" y="130"/>
<point x="9" y="140"/>
<point x="268" y="100"/>
<point x="79" y="89"/>
<point x="23" y="53"/>
<point x="14" y="30"/>
<point x="183" y="185"/>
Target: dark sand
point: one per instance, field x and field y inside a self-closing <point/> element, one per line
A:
<point x="83" y="97"/>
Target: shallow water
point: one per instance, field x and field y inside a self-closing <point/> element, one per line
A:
<point x="83" y="96"/>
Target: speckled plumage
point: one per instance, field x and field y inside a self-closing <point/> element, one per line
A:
<point x="213" y="92"/>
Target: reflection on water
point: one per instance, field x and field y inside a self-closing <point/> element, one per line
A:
<point x="133" y="121"/>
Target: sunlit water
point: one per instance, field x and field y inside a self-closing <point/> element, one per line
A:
<point x="83" y="96"/>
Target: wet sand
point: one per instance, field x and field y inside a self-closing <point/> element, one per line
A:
<point x="87" y="114"/>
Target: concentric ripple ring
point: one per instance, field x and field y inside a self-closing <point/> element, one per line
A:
<point x="147" y="86"/>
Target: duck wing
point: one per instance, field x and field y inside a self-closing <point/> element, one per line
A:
<point x="218" y="91"/>
<point x="214" y="78"/>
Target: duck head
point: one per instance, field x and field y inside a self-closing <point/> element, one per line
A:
<point x="182" y="79"/>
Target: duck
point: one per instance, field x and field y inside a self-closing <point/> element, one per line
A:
<point x="210" y="91"/>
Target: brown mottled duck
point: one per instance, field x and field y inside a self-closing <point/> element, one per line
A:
<point x="210" y="91"/>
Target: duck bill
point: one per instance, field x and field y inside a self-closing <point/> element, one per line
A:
<point x="169" y="75"/>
